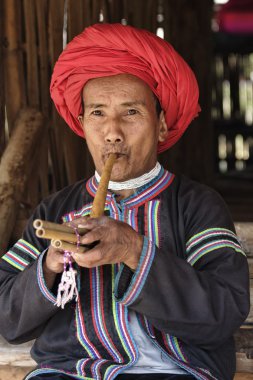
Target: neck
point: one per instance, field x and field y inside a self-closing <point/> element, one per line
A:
<point x="134" y="183"/>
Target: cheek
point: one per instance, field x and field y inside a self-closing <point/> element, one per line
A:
<point x="93" y="136"/>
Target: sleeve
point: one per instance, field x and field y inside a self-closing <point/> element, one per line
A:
<point x="26" y="303"/>
<point x="202" y="295"/>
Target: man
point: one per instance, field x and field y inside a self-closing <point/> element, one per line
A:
<point x="162" y="292"/>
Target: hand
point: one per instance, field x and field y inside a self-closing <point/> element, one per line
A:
<point x="54" y="260"/>
<point x="52" y="265"/>
<point x="117" y="242"/>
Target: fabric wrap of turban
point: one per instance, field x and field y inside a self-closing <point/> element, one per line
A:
<point x="110" y="49"/>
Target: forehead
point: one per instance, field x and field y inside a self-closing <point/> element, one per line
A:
<point x="118" y="86"/>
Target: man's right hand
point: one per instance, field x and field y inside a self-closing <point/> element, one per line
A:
<point x="52" y="265"/>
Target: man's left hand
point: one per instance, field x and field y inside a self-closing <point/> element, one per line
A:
<point x="117" y="243"/>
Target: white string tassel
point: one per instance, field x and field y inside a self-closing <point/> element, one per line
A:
<point x="67" y="288"/>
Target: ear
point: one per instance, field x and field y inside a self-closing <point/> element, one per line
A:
<point x="163" y="129"/>
<point x="80" y="119"/>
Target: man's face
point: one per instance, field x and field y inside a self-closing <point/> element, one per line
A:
<point x="120" y="117"/>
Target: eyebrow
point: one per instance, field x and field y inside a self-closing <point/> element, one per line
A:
<point x="127" y="104"/>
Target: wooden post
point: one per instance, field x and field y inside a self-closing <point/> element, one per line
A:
<point x="14" y="74"/>
<point x="31" y="54"/>
<point x="2" y="96"/>
<point x="15" y="167"/>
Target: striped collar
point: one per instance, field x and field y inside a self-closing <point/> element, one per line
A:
<point x="142" y="195"/>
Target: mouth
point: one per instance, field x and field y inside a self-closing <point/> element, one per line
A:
<point x="118" y="155"/>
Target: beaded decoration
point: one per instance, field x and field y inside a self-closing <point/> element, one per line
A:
<point x="67" y="288"/>
<point x="134" y="183"/>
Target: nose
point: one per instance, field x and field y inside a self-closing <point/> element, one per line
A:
<point x="114" y="134"/>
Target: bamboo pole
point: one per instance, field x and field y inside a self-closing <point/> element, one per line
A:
<point x="14" y="74"/>
<point x="31" y="54"/>
<point x="75" y="19"/>
<point x="15" y="169"/>
<point x="55" y="34"/>
<point x="87" y="13"/>
<point x="41" y="14"/>
<point x="2" y="96"/>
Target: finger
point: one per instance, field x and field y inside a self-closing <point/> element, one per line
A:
<point x="57" y="255"/>
<point x="94" y="235"/>
<point x="91" y="223"/>
<point x="89" y="259"/>
<point x="77" y="221"/>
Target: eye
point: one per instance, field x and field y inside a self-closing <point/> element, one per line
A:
<point x="132" y="111"/>
<point x="96" y="113"/>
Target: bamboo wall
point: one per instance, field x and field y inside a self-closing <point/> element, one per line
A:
<point x="33" y="33"/>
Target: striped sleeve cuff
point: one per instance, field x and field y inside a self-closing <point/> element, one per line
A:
<point x="139" y="277"/>
<point x="41" y="280"/>
<point x="21" y="255"/>
<point x="209" y="240"/>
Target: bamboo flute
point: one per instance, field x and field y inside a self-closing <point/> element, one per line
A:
<point x="43" y="225"/>
<point x="60" y="234"/>
<point x="99" y="200"/>
<point x="59" y="244"/>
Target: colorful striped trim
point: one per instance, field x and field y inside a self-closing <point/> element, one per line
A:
<point x="27" y="248"/>
<point x="149" y="328"/>
<point x="84" y="211"/>
<point x="193" y="258"/>
<point x="130" y="217"/>
<point x="82" y="335"/>
<point x="151" y="190"/>
<point x="140" y="275"/>
<point x="41" y="281"/>
<point x="151" y="217"/>
<point x="44" y="371"/>
<point x="15" y="260"/>
<point x="96" y="283"/>
<point x="19" y="256"/>
<point x="175" y="348"/>
<point x="173" y="351"/>
<point x="210" y="232"/>
<point x="172" y="345"/>
<point x="210" y="240"/>
<point x="80" y="365"/>
<point x="120" y="316"/>
<point x="96" y="366"/>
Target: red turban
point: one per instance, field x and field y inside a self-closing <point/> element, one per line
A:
<point x="110" y="49"/>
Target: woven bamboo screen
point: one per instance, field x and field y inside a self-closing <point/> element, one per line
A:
<point x="33" y="34"/>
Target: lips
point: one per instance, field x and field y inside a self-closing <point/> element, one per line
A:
<point x="118" y="155"/>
